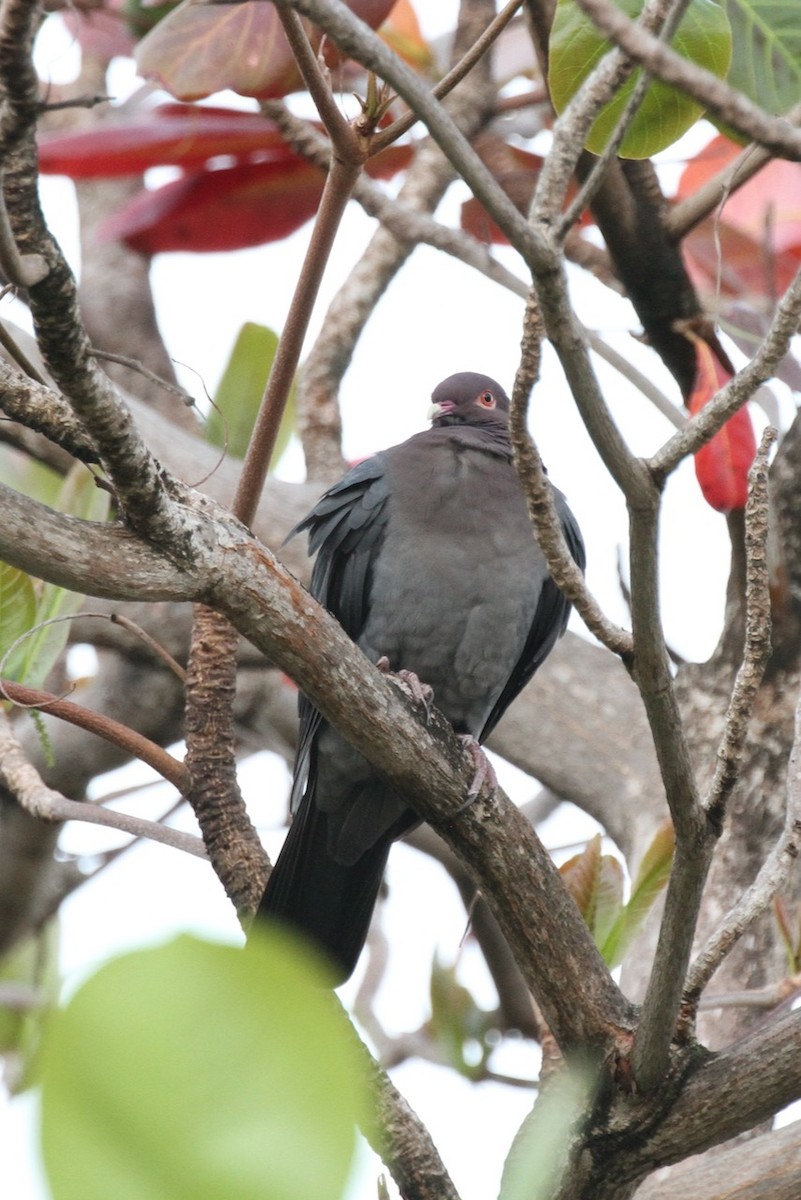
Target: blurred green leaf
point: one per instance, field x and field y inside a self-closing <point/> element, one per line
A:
<point x="30" y="972"/>
<point x="541" y="1149"/>
<point x="766" y="51"/>
<point x="576" y="47"/>
<point x="17" y="613"/>
<point x="79" y="496"/>
<point x="197" y="1071"/>
<point x="24" y="474"/>
<point x="651" y="879"/>
<point x="240" y="391"/>
<point x="457" y="1023"/>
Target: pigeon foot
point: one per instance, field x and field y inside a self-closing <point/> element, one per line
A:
<point x="484" y="773"/>
<point x="420" y="694"/>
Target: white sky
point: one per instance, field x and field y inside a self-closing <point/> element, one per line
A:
<point x="437" y="318"/>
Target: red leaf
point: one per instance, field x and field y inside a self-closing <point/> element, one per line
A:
<point x="184" y="134"/>
<point x="103" y="32"/>
<point x="517" y="171"/>
<point x="723" y="259"/>
<point x="226" y="209"/>
<point x="200" y="48"/>
<point x="722" y="465"/>
<point x="756" y="237"/>
<point x="230" y="207"/>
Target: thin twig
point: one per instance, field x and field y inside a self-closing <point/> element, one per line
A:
<point x="772" y="876"/>
<point x="757" y="635"/>
<point x="766" y="998"/>
<point x="688" y="213"/>
<point x="133" y="744"/>
<point x="15" y="352"/>
<point x="150" y="642"/>
<point x="30" y="791"/>
<point x="336" y="193"/>
<point x="317" y="85"/>
<point x="134" y="364"/>
<point x="737" y="391"/>
<point x="454" y="76"/>
<point x="550" y="537"/>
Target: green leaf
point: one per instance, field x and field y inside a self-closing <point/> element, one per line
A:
<point x="766" y="57"/>
<point x="197" y="1071"/>
<point x="31" y="968"/>
<point x="595" y="881"/>
<point x="17" y="614"/>
<point x="576" y="48"/>
<point x="27" y="476"/>
<point x="457" y="1024"/>
<point x="240" y="391"/>
<point x="651" y="878"/>
<point x="540" y="1153"/>
<point x="79" y="496"/>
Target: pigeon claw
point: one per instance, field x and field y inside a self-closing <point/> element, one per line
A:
<point x="420" y="694"/>
<point x="484" y="771"/>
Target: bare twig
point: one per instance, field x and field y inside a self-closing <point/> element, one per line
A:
<point x="133" y="364"/>
<point x="455" y="75"/>
<point x="543" y="514"/>
<point x="30" y="791"/>
<point x="737" y="391"/>
<point x="687" y="213"/>
<point x="15" y="352"/>
<point x="757" y="635"/>
<point x="133" y="744"/>
<point x="766" y="998"/>
<point x="143" y="636"/>
<point x="772" y="876"/>
<point x="338" y="187"/>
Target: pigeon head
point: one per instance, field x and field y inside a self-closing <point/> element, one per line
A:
<point x="469" y="399"/>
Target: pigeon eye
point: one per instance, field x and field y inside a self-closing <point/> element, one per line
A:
<point x="486" y="400"/>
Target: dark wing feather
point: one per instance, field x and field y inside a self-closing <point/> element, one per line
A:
<point x="550" y="620"/>
<point x="346" y="529"/>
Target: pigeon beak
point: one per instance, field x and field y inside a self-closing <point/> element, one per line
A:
<point x="440" y="410"/>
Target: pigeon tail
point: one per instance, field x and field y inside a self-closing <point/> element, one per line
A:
<point x="326" y="901"/>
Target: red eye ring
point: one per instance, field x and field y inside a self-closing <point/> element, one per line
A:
<point x="486" y="400"/>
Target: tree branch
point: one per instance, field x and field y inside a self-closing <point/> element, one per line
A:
<point x="772" y="876"/>
<point x="757" y="636"/>
<point x="30" y="791"/>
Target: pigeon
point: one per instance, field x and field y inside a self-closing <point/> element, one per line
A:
<point x="426" y="556"/>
